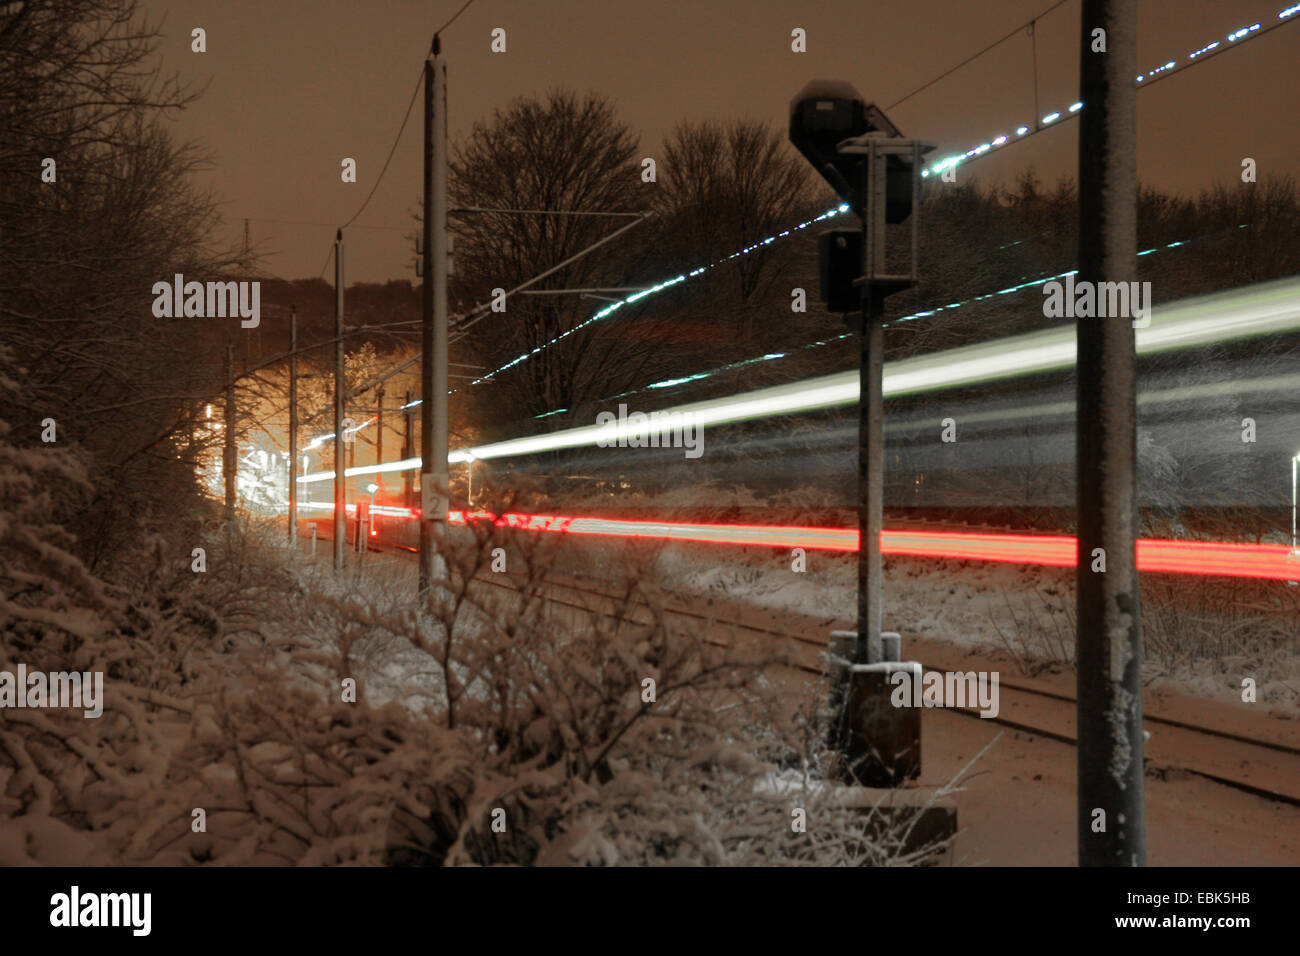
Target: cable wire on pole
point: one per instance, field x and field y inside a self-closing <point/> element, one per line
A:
<point x="1288" y="15"/>
<point x="323" y="225"/>
<point x="326" y="264"/>
<point x="976" y="56"/>
<point x="544" y="212"/>
<point x="1167" y="69"/>
<point x="453" y="19"/>
<point x="393" y="149"/>
<point x="419" y="82"/>
<point x="1033" y="45"/>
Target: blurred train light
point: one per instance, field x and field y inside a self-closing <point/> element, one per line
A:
<point x="1263" y="309"/>
<point x="1276" y="562"/>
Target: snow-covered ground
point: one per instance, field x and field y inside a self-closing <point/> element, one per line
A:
<point x="1202" y="636"/>
<point x="1024" y="611"/>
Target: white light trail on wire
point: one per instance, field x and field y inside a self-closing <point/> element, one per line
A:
<point x="1051" y="118"/>
<point x="1262" y="309"/>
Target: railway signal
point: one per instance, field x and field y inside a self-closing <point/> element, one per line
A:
<point x="862" y="154"/>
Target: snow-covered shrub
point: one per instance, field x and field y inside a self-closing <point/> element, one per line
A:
<point x="266" y="711"/>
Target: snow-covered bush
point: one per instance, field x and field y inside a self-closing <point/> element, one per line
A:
<point x="262" y="710"/>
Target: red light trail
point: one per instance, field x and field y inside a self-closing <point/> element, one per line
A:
<point x="1227" y="559"/>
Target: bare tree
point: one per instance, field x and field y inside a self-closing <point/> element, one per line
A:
<point x="563" y="153"/>
<point x="98" y="206"/>
<point x="727" y="185"/>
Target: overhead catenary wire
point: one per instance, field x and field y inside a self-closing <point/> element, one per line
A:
<point x="468" y="319"/>
<point x="1052" y="120"/>
<point x="380" y="178"/>
<point x="419" y="82"/>
<point x="455" y="16"/>
<point x="323" y="225"/>
<point x="1033" y="44"/>
<point x="1285" y="15"/>
<point x="406" y="118"/>
<point x="975" y="56"/>
<point x="544" y="212"/>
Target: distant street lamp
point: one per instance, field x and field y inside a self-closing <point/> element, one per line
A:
<point x="469" y="478"/>
<point x="370" y="511"/>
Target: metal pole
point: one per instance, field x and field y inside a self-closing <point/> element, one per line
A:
<point x="358" y="521"/>
<point x="229" y="458"/>
<point x="870" y="475"/>
<point x="1109" y="617"/>
<point x="293" y="426"/>
<point x="433" y="409"/>
<point x="408" y="451"/>
<point x="379" y="439"/>
<point x="871" y="414"/>
<point x="340" y="484"/>
<point x="441" y="377"/>
<point x="1294" y="461"/>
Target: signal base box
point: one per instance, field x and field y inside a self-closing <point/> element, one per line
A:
<point x="883" y="745"/>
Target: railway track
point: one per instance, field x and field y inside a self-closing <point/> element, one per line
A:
<point x="1269" y="769"/>
<point x="1265" y="768"/>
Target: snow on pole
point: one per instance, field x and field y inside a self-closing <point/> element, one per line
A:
<point x="1111" y="825"/>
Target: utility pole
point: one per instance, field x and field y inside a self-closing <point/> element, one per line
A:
<point x="1109" y="617"/>
<point x="433" y="382"/>
<point x="379" y="438"/>
<point x="340" y="484"/>
<point x="1295" y="548"/>
<point x="293" y="426"/>
<point x="229" y="459"/>
<point x="408" y="451"/>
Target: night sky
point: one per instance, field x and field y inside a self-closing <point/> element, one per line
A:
<point x="293" y="87"/>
